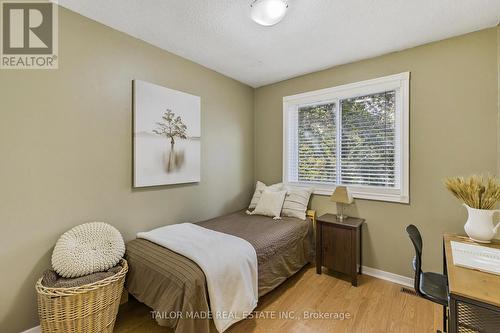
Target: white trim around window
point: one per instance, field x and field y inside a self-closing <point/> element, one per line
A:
<point x="400" y="83"/>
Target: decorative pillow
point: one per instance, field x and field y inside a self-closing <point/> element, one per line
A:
<point x="270" y="204"/>
<point x="86" y="249"/>
<point x="259" y="188"/>
<point x="296" y="201"/>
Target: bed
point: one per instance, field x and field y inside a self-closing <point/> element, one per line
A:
<point x="175" y="287"/>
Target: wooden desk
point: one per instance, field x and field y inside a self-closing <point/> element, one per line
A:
<point x="474" y="295"/>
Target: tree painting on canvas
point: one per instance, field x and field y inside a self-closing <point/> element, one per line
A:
<point x="172" y="127"/>
<point x="167" y="136"/>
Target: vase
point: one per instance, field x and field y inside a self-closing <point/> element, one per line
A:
<point x="479" y="226"/>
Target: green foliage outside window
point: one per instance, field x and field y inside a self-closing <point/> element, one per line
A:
<point x="367" y="147"/>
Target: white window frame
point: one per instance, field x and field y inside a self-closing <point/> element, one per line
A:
<point x="398" y="82"/>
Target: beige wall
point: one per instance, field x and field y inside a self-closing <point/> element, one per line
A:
<point x="453" y="117"/>
<point x="498" y="100"/>
<point x="66" y="143"/>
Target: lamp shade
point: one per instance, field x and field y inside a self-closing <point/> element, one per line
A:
<point x="341" y="195"/>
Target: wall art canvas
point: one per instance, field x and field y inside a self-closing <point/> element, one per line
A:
<point x="167" y="135"/>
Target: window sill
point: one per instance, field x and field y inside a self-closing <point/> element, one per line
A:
<point x="360" y="192"/>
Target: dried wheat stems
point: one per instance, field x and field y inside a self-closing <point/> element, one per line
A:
<point x="475" y="191"/>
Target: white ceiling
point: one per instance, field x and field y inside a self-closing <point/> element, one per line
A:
<point x="315" y="34"/>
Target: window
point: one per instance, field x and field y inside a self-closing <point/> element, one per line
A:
<point x="354" y="135"/>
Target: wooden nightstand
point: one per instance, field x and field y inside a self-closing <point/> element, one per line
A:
<point x="338" y="245"/>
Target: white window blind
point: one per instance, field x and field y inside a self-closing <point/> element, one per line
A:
<point x="316" y="131"/>
<point x="367" y="141"/>
<point x="354" y="135"/>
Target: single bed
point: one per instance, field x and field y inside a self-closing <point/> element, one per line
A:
<point x="175" y="287"/>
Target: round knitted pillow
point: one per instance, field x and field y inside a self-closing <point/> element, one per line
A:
<point x="86" y="249"/>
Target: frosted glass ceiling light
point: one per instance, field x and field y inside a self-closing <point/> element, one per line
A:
<point x="268" y="12"/>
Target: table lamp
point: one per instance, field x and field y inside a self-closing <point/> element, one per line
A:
<point x="342" y="196"/>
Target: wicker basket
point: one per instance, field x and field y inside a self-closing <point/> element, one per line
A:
<point x="89" y="308"/>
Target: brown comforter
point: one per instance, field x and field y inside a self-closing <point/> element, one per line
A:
<point x="175" y="287"/>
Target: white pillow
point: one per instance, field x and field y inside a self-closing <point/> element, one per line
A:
<point x="259" y="188"/>
<point x="296" y="202"/>
<point x="86" y="249"/>
<point x="270" y="203"/>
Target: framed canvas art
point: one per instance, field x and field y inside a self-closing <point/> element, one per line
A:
<point x="167" y="134"/>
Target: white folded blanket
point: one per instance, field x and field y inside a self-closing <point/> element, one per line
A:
<point x="229" y="264"/>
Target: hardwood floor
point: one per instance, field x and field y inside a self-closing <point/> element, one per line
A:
<point x="374" y="306"/>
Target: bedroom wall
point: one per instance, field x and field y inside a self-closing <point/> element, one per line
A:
<point x="66" y="151"/>
<point x="453" y="131"/>
<point x="498" y="100"/>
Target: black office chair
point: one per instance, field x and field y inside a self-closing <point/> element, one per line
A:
<point x="431" y="286"/>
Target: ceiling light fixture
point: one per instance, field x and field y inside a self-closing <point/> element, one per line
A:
<point x="268" y="12"/>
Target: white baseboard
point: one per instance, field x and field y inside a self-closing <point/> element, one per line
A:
<point x="399" y="279"/>
<point x="35" y="329"/>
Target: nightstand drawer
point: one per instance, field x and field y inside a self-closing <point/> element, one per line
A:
<point x="336" y="248"/>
